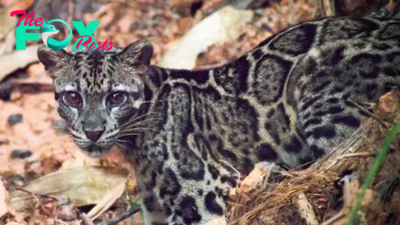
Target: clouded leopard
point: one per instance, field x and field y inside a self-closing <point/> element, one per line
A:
<point x="287" y="101"/>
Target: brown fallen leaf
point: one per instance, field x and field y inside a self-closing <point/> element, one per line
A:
<point x="17" y="59"/>
<point x="253" y="180"/>
<point x="84" y="185"/>
<point x="106" y="202"/>
<point x="222" y="26"/>
<point x="388" y="103"/>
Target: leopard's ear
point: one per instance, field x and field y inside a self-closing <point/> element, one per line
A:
<point x="53" y="59"/>
<point x="138" y="51"/>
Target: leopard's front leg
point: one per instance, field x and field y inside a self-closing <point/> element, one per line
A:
<point x="178" y="186"/>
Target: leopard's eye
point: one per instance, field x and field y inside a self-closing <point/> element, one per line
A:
<point x="73" y="98"/>
<point x="116" y="98"/>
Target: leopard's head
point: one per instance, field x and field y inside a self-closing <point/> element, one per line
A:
<point x="97" y="91"/>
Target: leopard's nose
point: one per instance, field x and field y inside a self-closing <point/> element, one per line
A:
<point x="94" y="135"/>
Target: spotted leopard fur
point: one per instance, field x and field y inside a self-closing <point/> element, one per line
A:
<point x="288" y="101"/>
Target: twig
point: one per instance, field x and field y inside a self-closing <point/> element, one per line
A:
<point x="364" y="110"/>
<point x="86" y="219"/>
<point x="36" y="195"/>
<point x="306" y="210"/>
<point x="121" y="216"/>
<point x="357" y="154"/>
<point x="334" y="218"/>
<point x="373" y="171"/>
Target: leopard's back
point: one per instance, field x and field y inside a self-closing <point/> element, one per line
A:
<point x="289" y="100"/>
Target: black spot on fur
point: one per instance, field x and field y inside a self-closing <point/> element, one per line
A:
<point x="321" y="86"/>
<point x="322" y="131"/>
<point x="333" y="58"/>
<point x="110" y="69"/>
<point x="257" y="54"/>
<point x="275" y="136"/>
<point x="296" y="41"/>
<point x="214" y="172"/>
<point x="247" y="165"/>
<point x="224" y="152"/>
<point x="210" y="91"/>
<point x="270" y="113"/>
<point x="318" y="152"/>
<point x="154" y="76"/>
<point x="242" y="71"/>
<point x="330" y="111"/>
<point x="309" y="101"/>
<point x="189" y="210"/>
<point x="148" y="94"/>
<point x="347" y="120"/>
<point x="333" y="100"/>
<point x="152" y="182"/>
<point x="229" y="179"/>
<point x="318" y="105"/>
<point x="368" y="65"/>
<point x="212" y="205"/>
<point x="335" y="109"/>
<point x="176" y="155"/>
<point x="164" y="151"/>
<point x="312" y="121"/>
<point x="227" y="153"/>
<point x="199" y="76"/>
<point x="294" y="145"/>
<point x="170" y="184"/>
<point x="372" y="91"/>
<point x="337" y="89"/>
<point x="191" y="166"/>
<point x="148" y="203"/>
<point x="266" y="153"/>
<point x="265" y="78"/>
<point x="281" y="108"/>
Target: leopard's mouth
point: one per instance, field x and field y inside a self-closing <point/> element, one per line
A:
<point x="95" y="151"/>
